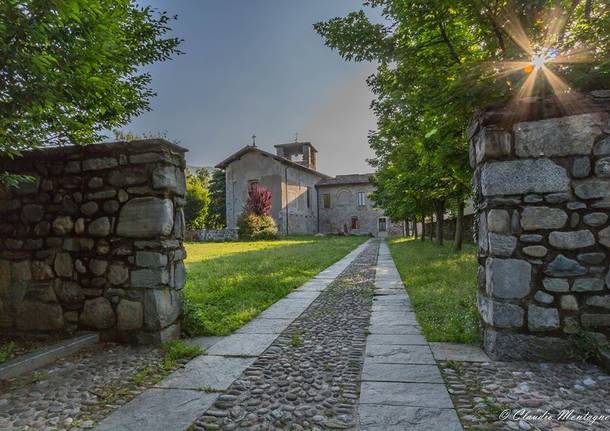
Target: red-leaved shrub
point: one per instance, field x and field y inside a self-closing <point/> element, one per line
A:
<point x="259" y="201"/>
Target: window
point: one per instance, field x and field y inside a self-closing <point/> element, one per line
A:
<point x="361" y="199"/>
<point x="308" y="197"/>
<point x="355" y="223"/>
<point x="326" y="200"/>
<point x="252" y="184"/>
<point x="382" y="224"/>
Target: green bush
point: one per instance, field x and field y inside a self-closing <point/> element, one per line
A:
<point x="252" y="226"/>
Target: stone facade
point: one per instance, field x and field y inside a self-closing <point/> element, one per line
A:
<point x="348" y="213"/>
<point x="295" y="187"/>
<point x="95" y="241"/>
<point x="543" y="185"/>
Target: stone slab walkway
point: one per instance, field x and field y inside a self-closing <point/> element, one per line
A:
<point x="402" y="388"/>
<point x="177" y="401"/>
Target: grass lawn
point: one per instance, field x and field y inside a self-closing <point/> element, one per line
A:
<point x="230" y="283"/>
<point x="442" y="286"/>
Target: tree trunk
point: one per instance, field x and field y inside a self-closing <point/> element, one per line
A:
<point x="423" y="227"/>
<point x="439" y="207"/>
<point x="459" y="227"/>
<point x="431" y="225"/>
<point x="415" y="227"/>
<point x="407" y="232"/>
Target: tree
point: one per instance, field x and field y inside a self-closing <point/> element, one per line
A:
<point x="197" y="202"/>
<point x="441" y="60"/>
<point x="70" y="69"/>
<point x="256" y="222"/>
<point x="216" y="218"/>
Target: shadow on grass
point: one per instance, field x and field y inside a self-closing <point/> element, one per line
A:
<point x="229" y="284"/>
<point x="442" y="286"/>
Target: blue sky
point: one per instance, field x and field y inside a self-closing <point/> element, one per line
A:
<point x="257" y="66"/>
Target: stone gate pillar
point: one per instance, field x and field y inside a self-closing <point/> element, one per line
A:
<point x="542" y="182"/>
<point x="95" y="242"/>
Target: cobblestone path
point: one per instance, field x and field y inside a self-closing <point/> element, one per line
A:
<point x="309" y="377"/>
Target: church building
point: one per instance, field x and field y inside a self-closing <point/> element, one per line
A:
<point x="304" y="201"/>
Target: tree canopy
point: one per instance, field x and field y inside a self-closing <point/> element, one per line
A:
<point x="70" y="69"/>
<point x="438" y="61"/>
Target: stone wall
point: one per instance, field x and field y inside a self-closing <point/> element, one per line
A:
<point x="95" y="242"/>
<point x="542" y="178"/>
<point x="211" y="235"/>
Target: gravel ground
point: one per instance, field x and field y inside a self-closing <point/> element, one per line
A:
<point x="504" y="396"/>
<point x="76" y="392"/>
<point x="309" y="378"/>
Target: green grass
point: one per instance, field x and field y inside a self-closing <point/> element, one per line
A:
<point x="7" y="351"/>
<point x="442" y="286"/>
<point x="231" y="283"/>
<point x="176" y="350"/>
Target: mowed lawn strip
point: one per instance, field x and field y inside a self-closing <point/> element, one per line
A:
<point x="230" y="283"/>
<point x="442" y="286"/>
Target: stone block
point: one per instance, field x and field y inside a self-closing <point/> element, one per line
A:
<point x="131" y="176"/>
<point x="79" y="226"/>
<point x="535" y="218"/>
<point x="100" y="227"/>
<point x="501" y="346"/>
<point x="562" y="266"/>
<point x="569" y="303"/>
<point x="89" y="208"/>
<point x="535" y="250"/>
<point x="98" y="266"/>
<point x="587" y="284"/>
<point x="149" y="278"/>
<point x="602" y="167"/>
<point x="100" y="163"/>
<point x="179" y="224"/>
<point x="492" y="143"/>
<point x="98" y="313"/>
<point x="576" y="205"/>
<point x="604" y="237"/>
<point x="39" y="316"/>
<point x="591" y="258"/>
<point x="557" y="198"/>
<point x="32" y="213"/>
<point x="162" y="307"/>
<point x="599" y="301"/>
<point x="533" y="199"/>
<point x="544" y="297"/>
<point x="69" y="293"/>
<point x="179" y="276"/>
<point x="130" y="315"/>
<point x="530" y="238"/>
<point x="502" y="245"/>
<point x="63" y="265"/>
<point x="581" y="167"/>
<point x="572" y="240"/>
<point x="602" y="148"/>
<point x="542" y="318"/>
<point x="498" y="221"/>
<point x="63" y="225"/>
<point x="482" y="241"/>
<point x="95" y="183"/>
<point x="169" y="178"/>
<point x="118" y="273"/>
<point x="562" y="136"/>
<point x="592" y="189"/>
<point x="595" y="219"/>
<point x="500" y="314"/>
<point x="146" y="217"/>
<point x="519" y="177"/>
<point x="150" y="259"/>
<point x="508" y="278"/>
<point x="595" y="320"/>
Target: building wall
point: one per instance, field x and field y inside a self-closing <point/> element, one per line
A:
<point x="288" y="186"/>
<point x="95" y="241"/>
<point x="344" y="206"/>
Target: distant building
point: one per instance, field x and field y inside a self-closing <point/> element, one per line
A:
<point x="304" y="201"/>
